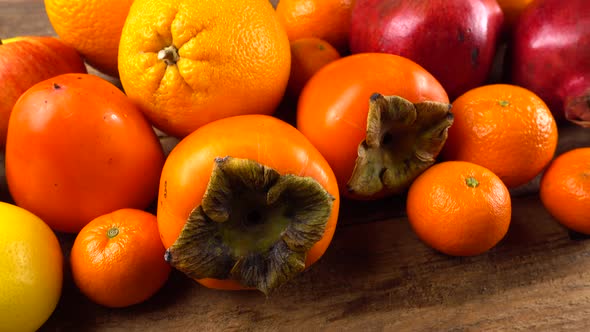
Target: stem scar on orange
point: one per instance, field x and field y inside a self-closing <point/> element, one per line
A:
<point x="565" y="189"/>
<point x="117" y="259"/>
<point x="246" y="202"/>
<point x="459" y="208"/>
<point x="187" y="63"/>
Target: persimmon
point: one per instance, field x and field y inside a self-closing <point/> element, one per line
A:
<point x="78" y="148"/>
<point x="378" y="119"/>
<point x="246" y="202"/>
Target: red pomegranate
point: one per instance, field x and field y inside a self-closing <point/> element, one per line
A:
<point x="550" y="55"/>
<point x="454" y="40"/>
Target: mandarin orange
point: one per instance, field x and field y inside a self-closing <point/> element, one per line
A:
<point x="459" y="208"/>
<point x="505" y="128"/>
<point x="325" y="19"/>
<point x="117" y="259"/>
<point x="565" y="189"/>
<point x="308" y="55"/>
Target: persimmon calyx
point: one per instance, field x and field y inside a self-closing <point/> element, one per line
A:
<point x="253" y="225"/>
<point x="403" y="139"/>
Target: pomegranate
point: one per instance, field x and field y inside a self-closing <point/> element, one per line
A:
<point x="551" y="56"/>
<point x="454" y="40"/>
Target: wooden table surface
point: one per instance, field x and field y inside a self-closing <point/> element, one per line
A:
<point x="375" y="276"/>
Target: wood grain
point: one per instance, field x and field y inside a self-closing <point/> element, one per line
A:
<point x="19" y="18"/>
<point x="376" y="275"/>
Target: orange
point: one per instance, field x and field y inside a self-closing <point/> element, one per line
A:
<point x="117" y="259"/>
<point x="308" y="55"/>
<point x="187" y="63"/>
<point x="512" y="9"/>
<point x="505" y="128"/>
<point x="92" y="27"/>
<point x="325" y="19"/>
<point x="459" y="208"/>
<point x="565" y="189"/>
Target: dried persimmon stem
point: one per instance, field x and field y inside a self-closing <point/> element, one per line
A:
<point x="253" y="225"/>
<point x="402" y="140"/>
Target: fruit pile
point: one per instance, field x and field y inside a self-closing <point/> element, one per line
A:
<point x="278" y="112"/>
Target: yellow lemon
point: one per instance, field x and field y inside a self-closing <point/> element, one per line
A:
<point x="32" y="270"/>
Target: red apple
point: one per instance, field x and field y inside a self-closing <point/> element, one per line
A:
<point x="455" y="40"/>
<point x="550" y="55"/>
<point x="25" y="61"/>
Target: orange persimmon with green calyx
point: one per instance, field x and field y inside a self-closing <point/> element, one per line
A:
<point x="246" y="202"/>
<point x="187" y="63"/>
<point x="378" y="119"/>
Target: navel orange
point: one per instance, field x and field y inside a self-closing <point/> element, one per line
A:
<point x="188" y="63"/>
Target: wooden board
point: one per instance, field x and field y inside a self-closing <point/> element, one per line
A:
<point x="375" y="276"/>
